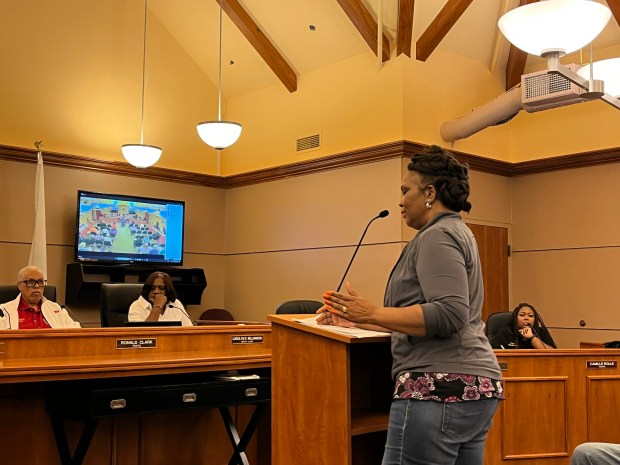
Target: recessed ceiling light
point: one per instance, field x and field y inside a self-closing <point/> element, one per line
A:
<point x="312" y="27"/>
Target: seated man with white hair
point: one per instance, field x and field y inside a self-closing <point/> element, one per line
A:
<point x="30" y="309"/>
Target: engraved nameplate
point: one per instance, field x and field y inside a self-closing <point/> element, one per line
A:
<point x="247" y="339"/>
<point x="149" y="343"/>
<point x="601" y="364"/>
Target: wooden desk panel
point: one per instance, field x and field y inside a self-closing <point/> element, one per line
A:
<point x="46" y="355"/>
<point x="29" y="359"/>
<point x="554" y="402"/>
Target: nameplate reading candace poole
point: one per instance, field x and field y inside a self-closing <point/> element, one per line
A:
<point x="247" y="339"/>
<point x="602" y="364"/>
<point x="149" y="343"/>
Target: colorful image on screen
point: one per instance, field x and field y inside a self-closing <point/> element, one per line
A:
<point x="125" y="229"/>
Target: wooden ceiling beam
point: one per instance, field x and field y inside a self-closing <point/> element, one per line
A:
<point x="366" y="25"/>
<point x="614" y="6"/>
<point x="405" y="27"/>
<point x="440" y="26"/>
<point x="515" y="66"/>
<point x="261" y="43"/>
<point x="517" y="58"/>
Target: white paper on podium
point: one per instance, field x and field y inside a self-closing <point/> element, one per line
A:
<point x="353" y="332"/>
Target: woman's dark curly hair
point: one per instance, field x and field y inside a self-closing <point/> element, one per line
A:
<point x="438" y="167"/>
<point x="148" y="285"/>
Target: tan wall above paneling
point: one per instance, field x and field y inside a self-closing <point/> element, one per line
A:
<point x="566" y="246"/>
<point x="323" y="210"/>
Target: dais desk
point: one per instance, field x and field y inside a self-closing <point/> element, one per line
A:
<point x="331" y="396"/>
<point x="34" y="363"/>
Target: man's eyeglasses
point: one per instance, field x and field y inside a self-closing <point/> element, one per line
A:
<point x="34" y="282"/>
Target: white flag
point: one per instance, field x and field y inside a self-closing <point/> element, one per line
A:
<point x="38" y="251"/>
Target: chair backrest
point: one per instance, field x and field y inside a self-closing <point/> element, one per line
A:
<point x="9" y="292"/>
<point x="116" y="298"/>
<point x="299" y="306"/>
<point x="219" y="314"/>
<point x="496" y="321"/>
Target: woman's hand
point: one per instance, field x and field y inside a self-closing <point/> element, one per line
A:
<point x="351" y="308"/>
<point x="527" y="333"/>
<point x="324" y="317"/>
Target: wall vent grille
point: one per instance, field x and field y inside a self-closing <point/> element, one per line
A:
<point x="309" y="143"/>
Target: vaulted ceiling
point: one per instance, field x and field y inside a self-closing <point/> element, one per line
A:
<point x="270" y="41"/>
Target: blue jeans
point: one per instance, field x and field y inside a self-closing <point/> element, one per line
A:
<point x="437" y="433"/>
<point x="596" y="453"/>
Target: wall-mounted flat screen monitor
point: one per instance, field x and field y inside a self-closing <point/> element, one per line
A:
<point x="118" y="228"/>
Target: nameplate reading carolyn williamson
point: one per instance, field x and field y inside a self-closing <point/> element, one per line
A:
<point x="247" y="339"/>
<point x="149" y="343"/>
<point x="602" y="364"/>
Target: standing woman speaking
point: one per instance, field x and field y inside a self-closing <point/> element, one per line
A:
<point x="447" y="380"/>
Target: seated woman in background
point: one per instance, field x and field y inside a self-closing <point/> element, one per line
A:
<point x="525" y="330"/>
<point x="158" y="302"/>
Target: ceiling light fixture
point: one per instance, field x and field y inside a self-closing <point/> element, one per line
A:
<point x="554" y="25"/>
<point x="142" y="155"/>
<point x="219" y="134"/>
<point x="607" y="71"/>
<point x="553" y="28"/>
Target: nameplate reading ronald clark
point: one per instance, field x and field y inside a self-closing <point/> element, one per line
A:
<point x="149" y="343"/>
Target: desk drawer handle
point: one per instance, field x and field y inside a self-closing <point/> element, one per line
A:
<point x="115" y="404"/>
<point x="251" y="392"/>
<point x="190" y="397"/>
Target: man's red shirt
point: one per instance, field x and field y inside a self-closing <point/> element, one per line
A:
<point x="30" y="318"/>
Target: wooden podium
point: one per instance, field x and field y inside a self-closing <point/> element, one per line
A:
<point x="330" y="395"/>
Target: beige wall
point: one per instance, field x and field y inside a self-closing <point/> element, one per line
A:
<point x="259" y="245"/>
<point x="566" y="250"/>
<point x="289" y="239"/>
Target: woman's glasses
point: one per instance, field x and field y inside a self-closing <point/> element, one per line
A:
<point x="159" y="288"/>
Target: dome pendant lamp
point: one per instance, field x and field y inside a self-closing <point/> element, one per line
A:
<point x="142" y="155"/>
<point x="219" y="134"/>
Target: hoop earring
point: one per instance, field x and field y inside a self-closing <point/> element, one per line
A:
<point x="428" y="205"/>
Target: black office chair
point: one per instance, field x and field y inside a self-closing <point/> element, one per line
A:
<point x="116" y="298"/>
<point x="298" y="306"/>
<point x="10" y="292"/>
<point x="497" y="321"/>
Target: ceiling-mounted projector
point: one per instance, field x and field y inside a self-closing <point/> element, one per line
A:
<point x="543" y="90"/>
<point x="538" y="91"/>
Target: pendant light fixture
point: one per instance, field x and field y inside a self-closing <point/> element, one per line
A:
<point x="554" y="26"/>
<point x="142" y="155"/>
<point x="219" y="134"/>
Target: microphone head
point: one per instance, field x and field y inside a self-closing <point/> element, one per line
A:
<point x="383" y="214"/>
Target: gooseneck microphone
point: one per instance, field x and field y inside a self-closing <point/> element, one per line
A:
<point x="73" y="315"/>
<point x="383" y="214"/>
<point x="529" y="325"/>
<point x="170" y="305"/>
